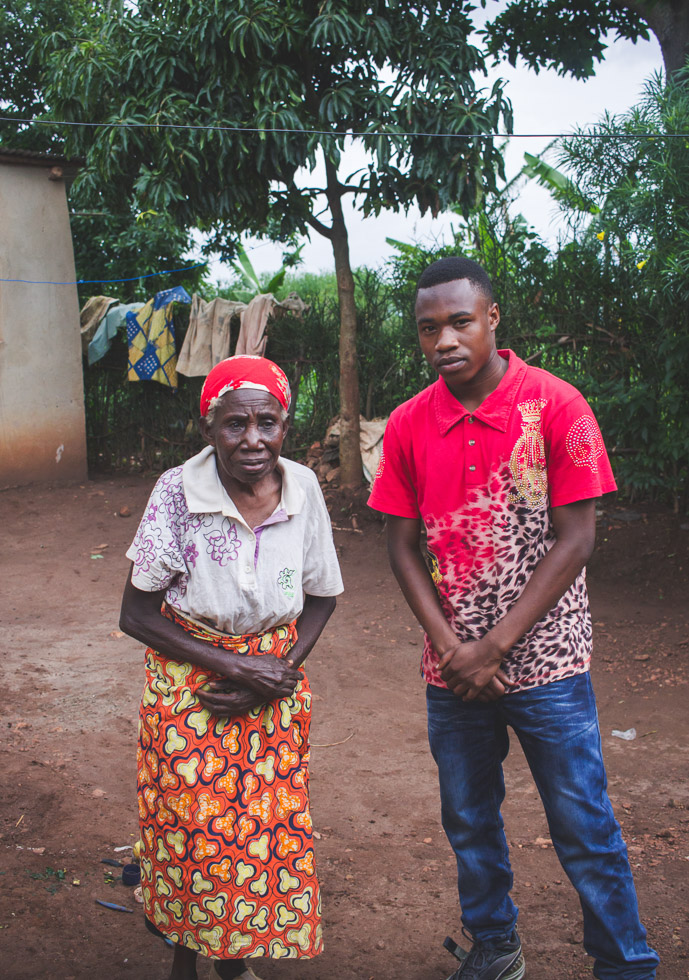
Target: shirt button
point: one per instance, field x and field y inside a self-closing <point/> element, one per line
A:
<point x="247" y="568"/>
<point x="472" y="442"/>
<point x="472" y="468"/>
<point x="470" y="418"/>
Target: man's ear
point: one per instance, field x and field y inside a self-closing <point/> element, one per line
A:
<point x="205" y="430"/>
<point x="494" y="316"/>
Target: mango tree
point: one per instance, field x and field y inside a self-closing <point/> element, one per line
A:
<point x="232" y="118"/>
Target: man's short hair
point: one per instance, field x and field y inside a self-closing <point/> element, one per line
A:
<point x="456" y="267"/>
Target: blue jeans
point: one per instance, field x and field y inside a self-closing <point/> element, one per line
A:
<point x="557" y="726"/>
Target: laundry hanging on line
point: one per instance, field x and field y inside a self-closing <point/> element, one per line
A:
<point x="107" y="330"/>
<point x="91" y="316"/>
<point x="208" y="338"/>
<point x="151" y="338"/>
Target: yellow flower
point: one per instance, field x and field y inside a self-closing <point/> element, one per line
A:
<point x="641" y="264"/>
<point x="600" y="236"/>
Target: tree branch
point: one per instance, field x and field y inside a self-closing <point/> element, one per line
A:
<point x="319" y="227"/>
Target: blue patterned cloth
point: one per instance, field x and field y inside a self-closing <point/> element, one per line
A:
<point x="151" y="338"/>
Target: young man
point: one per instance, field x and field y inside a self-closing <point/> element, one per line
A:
<point x="502" y="463"/>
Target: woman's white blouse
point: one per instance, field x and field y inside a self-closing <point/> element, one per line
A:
<point x="193" y="542"/>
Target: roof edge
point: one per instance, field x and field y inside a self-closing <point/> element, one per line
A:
<point x="33" y="158"/>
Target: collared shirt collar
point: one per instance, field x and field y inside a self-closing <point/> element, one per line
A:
<point x="205" y="493"/>
<point x="495" y="410"/>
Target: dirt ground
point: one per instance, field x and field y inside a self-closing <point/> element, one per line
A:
<point x="71" y="690"/>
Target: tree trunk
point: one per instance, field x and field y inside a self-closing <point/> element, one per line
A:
<point x="369" y="400"/>
<point x="351" y="472"/>
<point x="294" y="385"/>
<point x="669" y="21"/>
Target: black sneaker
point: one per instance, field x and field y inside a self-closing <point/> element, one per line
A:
<point x="493" y="961"/>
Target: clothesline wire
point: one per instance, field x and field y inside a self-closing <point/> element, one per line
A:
<point x="147" y="275"/>
<point x="91" y="282"/>
<point x="352" y="135"/>
<point x="288" y="131"/>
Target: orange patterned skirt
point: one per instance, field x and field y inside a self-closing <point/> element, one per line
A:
<point x="227" y="861"/>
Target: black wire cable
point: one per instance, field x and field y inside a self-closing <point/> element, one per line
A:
<point x="345" y="134"/>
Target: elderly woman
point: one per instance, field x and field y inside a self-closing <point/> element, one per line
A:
<point x="233" y="578"/>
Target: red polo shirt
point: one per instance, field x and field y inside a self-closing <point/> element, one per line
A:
<point x="483" y="483"/>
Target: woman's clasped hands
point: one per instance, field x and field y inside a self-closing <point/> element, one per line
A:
<point x="265" y="678"/>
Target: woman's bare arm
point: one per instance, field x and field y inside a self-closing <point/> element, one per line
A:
<point x="265" y="675"/>
<point x="316" y="613"/>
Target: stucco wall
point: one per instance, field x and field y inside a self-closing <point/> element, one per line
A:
<point x="42" y="429"/>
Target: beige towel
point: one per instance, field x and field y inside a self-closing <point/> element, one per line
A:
<point x="208" y="338"/>
<point x="252" y="335"/>
<point x="370" y="442"/>
<point x="90" y="316"/>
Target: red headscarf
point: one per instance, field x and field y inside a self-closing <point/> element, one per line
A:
<point x="245" y="371"/>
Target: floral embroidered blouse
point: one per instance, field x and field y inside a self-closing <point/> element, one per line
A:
<point x="193" y="542"/>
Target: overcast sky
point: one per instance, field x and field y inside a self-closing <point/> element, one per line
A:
<point x="543" y="103"/>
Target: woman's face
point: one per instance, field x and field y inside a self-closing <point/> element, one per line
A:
<point x="247" y="433"/>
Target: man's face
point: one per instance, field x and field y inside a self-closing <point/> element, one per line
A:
<point x="457" y="326"/>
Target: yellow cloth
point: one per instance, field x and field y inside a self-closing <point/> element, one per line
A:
<point x="152" y="350"/>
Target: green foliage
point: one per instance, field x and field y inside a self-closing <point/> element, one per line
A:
<point x="568" y="37"/>
<point x="112" y="238"/>
<point x="316" y="68"/>
<point x="391" y="366"/>
<point x="115" y="244"/>
<point x="307" y="350"/>
<point x="310" y="285"/>
<point x="607" y="310"/>
<point x="390" y="363"/>
<point x="560" y="186"/>
<point x="643" y="189"/>
<point x="21" y="89"/>
<point x="249" y="281"/>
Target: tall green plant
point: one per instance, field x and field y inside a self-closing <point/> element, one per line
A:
<point x="249" y="279"/>
<point x="640" y="172"/>
<point x="606" y="309"/>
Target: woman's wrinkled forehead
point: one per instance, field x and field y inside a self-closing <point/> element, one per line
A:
<point x="246" y="398"/>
